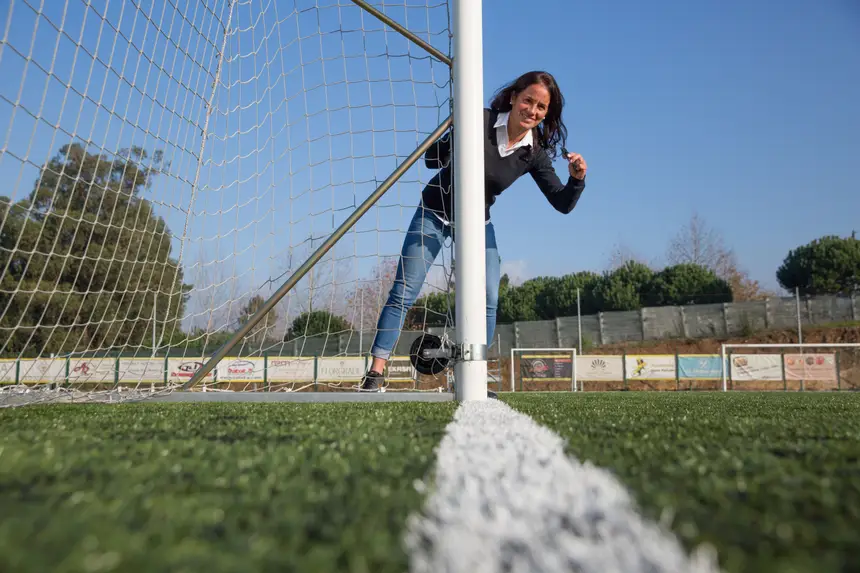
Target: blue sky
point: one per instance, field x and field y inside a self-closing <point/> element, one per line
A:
<point x="742" y="112"/>
<point x="747" y="112"/>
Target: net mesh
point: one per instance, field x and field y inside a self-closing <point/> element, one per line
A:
<point x="168" y="165"/>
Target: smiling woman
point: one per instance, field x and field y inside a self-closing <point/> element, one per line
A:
<point x="522" y="129"/>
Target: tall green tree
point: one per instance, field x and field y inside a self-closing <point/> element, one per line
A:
<point x="84" y="257"/>
<point x="316" y="323"/>
<point x="558" y="296"/>
<point x="520" y="302"/>
<point x="262" y="330"/>
<point x="432" y="309"/>
<point x="827" y="265"/>
<point x="686" y="283"/>
<point x="624" y="287"/>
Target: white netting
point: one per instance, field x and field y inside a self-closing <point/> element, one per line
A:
<point x="168" y="165"/>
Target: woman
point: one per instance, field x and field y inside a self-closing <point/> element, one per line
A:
<point x="523" y="127"/>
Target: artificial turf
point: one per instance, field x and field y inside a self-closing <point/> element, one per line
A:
<point x="772" y="481"/>
<point x="212" y="487"/>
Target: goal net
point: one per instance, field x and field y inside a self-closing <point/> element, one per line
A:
<point x="542" y="369"/>
<point x="168" y="166"/>
<point x="792" y="367"/>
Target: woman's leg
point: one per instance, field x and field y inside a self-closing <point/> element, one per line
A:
<point x="494" y="270"/>
<point x="421" y="246"/>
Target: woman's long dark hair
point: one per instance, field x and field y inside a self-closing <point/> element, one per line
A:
<point x="551" y="132"/>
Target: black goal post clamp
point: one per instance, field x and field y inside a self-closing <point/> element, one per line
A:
<point x="431" y="354"/>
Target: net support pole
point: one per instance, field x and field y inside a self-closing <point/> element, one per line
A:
<point x="469" y="233"/>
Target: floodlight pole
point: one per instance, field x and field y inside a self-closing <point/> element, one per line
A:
<point x="470" y="371"/>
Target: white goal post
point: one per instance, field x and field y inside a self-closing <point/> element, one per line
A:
<point x="784" y="362"/>
<point x="543" y="365"/>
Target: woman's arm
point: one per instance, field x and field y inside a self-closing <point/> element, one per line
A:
<point x="563" y="197"/>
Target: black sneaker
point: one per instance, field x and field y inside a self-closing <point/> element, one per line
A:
<point x="372" y="382"/>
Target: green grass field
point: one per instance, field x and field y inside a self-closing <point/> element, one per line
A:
<point x="771" y="480"/>
<point x="215" y="487"/>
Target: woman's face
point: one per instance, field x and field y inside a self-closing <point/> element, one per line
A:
<point x="530" y="106"/>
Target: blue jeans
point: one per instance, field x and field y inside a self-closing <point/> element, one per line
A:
<point x="422" y="244"/>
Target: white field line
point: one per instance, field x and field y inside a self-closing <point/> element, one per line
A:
<point x="506" y="498"/>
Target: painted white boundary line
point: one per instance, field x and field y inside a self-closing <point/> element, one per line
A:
<point x="506" y="497"/>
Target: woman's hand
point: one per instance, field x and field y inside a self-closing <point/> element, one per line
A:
<point x="576" y="164"/>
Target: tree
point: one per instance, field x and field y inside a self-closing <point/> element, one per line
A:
<point x="827" y="265"/>
<point x="698" y="244"/>
<point x="623" y="288"/>
<point x="85" y="261"/>
<point x="558" y="295"/>
<point x="315" y="323"/>
<point x="520" y="302"/>
<point x="368" y="297"/>
<point x="686" y="284"/>
<point x="432" y="309"/>
<point x="321" y="287"/>
<point x="260" y="332"/>
<point x="621" y="255"/>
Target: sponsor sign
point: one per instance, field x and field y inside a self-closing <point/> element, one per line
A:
<point x="340" y="369"/>
<point x="399" y="369"/>
<point x="607" y="368"/>
<point x="747" y="367"/>
<point x="180" y="370"/>
<point x="546" y="367"/>
<point x="43" y="370"/>
<point x="7" y="371"/>
<point x="653" y="367"/>
<point x="141" y="370"/>
<point x="243" y="369"/>
<point x="699" y="367"/>
<point x="290" y="369"/>
<point x="92" y="370"/>
<point x="810" y="367"/>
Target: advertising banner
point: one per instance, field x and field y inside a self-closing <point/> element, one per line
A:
<point x="141" y="370"/>
<point x="290" y="369"/>
<point x="748" y="367"/>
<point x="92" y="370"/>
<point x="820" y="367"/>
<point x="340" y="369"/>
<point x="235" y="369"/>
<point x="699" y="367"/>
<point x="7" y="371"/>
<point x="605" y="368"/>
<point x="399" y="368"/>
<point x="43" y="370"/>
<point x="546" y="367"/>
<point x="650" y="367"/>
<point x="180" y="370"/>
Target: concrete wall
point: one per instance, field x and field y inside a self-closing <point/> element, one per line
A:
<point x="694" y="321"/>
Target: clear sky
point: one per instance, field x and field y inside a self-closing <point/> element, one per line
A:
<point x="745" y="111"/>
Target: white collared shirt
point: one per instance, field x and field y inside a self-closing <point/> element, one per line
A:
<point x="501" y="126"/>
<point x="502" y="136"/>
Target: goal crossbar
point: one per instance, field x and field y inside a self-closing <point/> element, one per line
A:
<point x="330" y="242"/>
